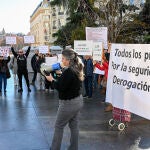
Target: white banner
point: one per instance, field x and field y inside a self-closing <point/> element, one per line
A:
<point x="83" y="47"/>
<point x="97" y="71"/>
<point x="10" y="40"/>
<point x="43" y="49"/>
<point x="29" y="39"/>
<point x="51" y="60"/>
<point x="98" y="34"/>
<point x="97" y="51"/>
<point x="4" y="51"/>
<point x="128" y="84"/>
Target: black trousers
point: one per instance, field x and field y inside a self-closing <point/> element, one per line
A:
<point x="34" y="76"/>
<point x="25" y="74"/>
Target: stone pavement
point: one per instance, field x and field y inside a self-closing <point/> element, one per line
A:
<point x="27" y="123"/>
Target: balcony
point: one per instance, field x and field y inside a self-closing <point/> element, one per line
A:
<point x="54" y="14"/>
<point x="54" y="27"/>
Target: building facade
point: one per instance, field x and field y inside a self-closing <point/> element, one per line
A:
<point x="2" y="34"/>
<point x="45" y="21"/>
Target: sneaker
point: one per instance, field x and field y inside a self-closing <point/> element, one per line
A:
<point x="20" y="90"/>
<point x="29" y="90"/>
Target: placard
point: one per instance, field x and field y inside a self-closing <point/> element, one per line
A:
<point x="10" y="40"/>
<point x="98" y="34"/>
<point x="97" y="71"/>
<point x="128" y="84"/>
<point x="4" y="51"/>
<point x="97" y="51"/>
<point x="43" y="49"/>
<point x="83" y="47"/>
<point x="29" y="39"/>
<point x="51" y="60"/>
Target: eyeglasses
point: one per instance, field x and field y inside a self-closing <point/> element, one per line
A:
<point x="20" y="52"/>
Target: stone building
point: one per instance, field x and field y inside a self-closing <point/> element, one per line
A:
<point x="45" y="21"/>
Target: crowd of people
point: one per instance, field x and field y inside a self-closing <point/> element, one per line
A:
<point x="78" y="71"/>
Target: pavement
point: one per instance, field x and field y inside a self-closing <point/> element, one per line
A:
<point x="27" y="123"/>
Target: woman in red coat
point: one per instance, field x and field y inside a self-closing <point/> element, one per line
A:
<point x="104" y="66"/>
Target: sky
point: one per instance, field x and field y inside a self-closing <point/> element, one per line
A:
<point x="15" y="15"/>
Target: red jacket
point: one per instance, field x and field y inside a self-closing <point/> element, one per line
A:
<point x="104" y="67"/>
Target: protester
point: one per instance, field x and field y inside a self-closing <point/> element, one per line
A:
<point x="40" y="84"/>
<point x="34" y="66"/>
<point x="88" y="82"/>
<point x="104" y="66"/>
<point x="71" y="101"/>
<point x="4" y="70"/>
<point x="13" y="67"/>
<point x="22" y="66"/>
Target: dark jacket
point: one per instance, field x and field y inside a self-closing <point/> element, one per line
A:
<point x="68" y="85"/>
<point x="34" y="62"/>
<point x="21" y="59"/>
<point x="40" y="60"/>
<point x="4" y="65"/>
<point x="88" y="67"/>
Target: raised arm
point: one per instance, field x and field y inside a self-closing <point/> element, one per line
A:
<point x="13" y="51"/>
<point x="28" y="51"/>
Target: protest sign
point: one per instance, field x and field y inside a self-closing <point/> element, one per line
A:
<point x="97" y="71"/>
<point x="10" y="40"/>
<point x="51" y="60"/>
<point x="83" y="47"/>
<point x="97" y="51"/>
<point x="4" y="51"/>
<point x="43" y="49"/>
<point x="29" y="39"/>
<point x="128" y="84"/>
<point x="98" y="34"/>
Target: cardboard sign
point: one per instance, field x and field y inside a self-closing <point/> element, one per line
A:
<point x="43" y="49"/>
<point x="97" y="51"/>
<point x="4" y="51"/>
<point x="51" y="60"/>
<point x="10" y="40"/>
<point x="29" y="39"/>
<point x="83" y="47"/>
<point x="98" y="34"/>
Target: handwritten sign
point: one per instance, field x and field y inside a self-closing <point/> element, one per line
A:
<point x="51" y="60"/>
<point x="29" y="39"/>
<point x="83" y="47"/>
<point x="4" y="51"/>
<point x="98" y="34"/>
<point x="10" y="40"/>
<point x="97" y="51"/>
<point x="43" y="49"/>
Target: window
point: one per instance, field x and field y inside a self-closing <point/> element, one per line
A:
<point x="54" y="12"/>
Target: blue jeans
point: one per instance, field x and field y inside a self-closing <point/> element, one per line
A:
<point x="88" y="83"/>
<point x="68" y="113"/>
<point x="95" y="80"/>
<point x="3" y="79"/>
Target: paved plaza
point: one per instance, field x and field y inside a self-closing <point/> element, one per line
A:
<point x="27" y="123"/>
